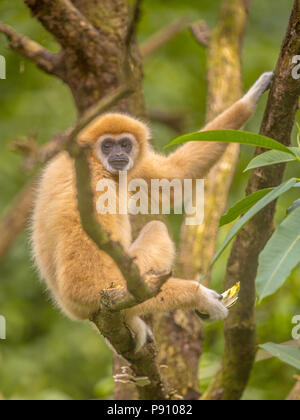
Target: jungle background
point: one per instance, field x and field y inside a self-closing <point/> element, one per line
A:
<point x="46" y="356"/>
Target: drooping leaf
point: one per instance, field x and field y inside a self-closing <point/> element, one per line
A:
<point x="270" y="158"/>
<point x="233" y="136"/>
<point x="289" y="355"/>
<point x="243" y="206"/>
<point x="271" y="196"/>
<point x="280" y="256"/>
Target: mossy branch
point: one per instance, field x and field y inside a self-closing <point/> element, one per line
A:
<point x="69" y="26"/>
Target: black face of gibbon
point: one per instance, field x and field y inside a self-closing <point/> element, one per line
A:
<point x="117" y="152"/>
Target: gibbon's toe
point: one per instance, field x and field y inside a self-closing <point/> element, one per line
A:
<point x="211" y="308"/>
<point x="217" y="314"/>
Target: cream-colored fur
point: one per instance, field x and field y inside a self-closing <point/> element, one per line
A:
<point x="74" y="268"/>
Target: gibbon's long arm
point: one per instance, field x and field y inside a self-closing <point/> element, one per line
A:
<point x="195" y="159"/>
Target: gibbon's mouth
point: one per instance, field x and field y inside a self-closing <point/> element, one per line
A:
<point x="119" y="163"/>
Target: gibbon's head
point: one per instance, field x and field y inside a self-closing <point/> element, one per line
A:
<point x="119" y="141"/>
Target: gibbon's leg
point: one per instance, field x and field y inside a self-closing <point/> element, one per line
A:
<point x="153" y="249"/>
<point x="183" y="294"/>
<point x="176" y="294"/>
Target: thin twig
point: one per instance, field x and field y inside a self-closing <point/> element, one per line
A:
<point x="201" y="32"/>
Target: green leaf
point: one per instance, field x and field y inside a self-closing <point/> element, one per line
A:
<point x="289" y="355"/>
<point x="233" y="136"/>
<point x="280" y="256"/>
<point x="294" y="206"/>
<point x="271" y="196"/>
<point x="243" y="206"/>
<point x="270" y="158"/>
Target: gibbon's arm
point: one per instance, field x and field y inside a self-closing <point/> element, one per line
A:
<point x="195" y="159"/>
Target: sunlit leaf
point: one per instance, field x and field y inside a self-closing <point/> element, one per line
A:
<point x="271" y="196"/>
<point x="270" y="158"/>
<point x="243" y="206"/>
<point x="289" y="355"/>
<point x="233" y="136"/>
<point x="280" y="256"/>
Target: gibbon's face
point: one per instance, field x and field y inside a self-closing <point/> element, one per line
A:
<point x="117" y="152"/>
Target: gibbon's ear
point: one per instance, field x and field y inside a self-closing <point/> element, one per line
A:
<point x="116" y="124"/>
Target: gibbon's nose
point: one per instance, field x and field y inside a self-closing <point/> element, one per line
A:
<point x="118" y="162"/>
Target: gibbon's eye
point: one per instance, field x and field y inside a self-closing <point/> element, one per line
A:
<point x="107" y="146"/>
<point x="126" y="144"/>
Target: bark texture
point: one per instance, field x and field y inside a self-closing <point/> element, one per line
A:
<point x="240" y="328"/>
<point x="92" y="35"/>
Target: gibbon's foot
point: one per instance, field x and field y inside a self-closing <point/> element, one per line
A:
<point x="260" y="86"/>
<point x="212" y="309"/>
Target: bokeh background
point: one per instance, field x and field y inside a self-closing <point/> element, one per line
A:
<point x="46" y="356"/>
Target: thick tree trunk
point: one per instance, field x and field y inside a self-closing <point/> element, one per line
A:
<point x="94" y="69"/>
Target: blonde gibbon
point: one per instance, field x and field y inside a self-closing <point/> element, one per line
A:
<point x="74" y="269"/>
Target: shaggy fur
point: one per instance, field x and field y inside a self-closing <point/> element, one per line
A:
<point x="74" y="268"/>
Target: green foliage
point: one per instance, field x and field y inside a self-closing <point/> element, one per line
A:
<point x="243" y="206"/>
<point x="271" y="158"/>
<point x="261" y="204"/>
<point x="280" y="256"/>
<point x="233" y="136"/>
<point x="282" y="252"/>
<point x="289" y="355"/>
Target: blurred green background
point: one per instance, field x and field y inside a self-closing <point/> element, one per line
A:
<point x="46" y="356"/>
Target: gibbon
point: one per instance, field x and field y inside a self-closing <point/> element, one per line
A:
<point x="74" y="269"/>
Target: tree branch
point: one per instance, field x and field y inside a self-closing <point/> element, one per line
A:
<point x="240" y="328"/>
<point x="160" y="38"/>
<point x="110" y="320"/>
<point x="30" y="49"/>
<point x="137" y="287"/>
<point x="69" y="26"/>
<point x="174" y="120"/>
<point x="201" y="32"/>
